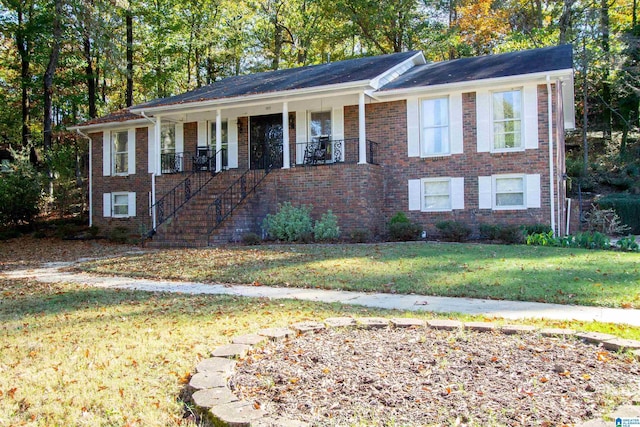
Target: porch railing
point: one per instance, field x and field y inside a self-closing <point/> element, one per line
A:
<point x="168" y="205"/>
<point x="203" y="159"/>
<point x="323" y="151"/>
<point x="224" y="204"/>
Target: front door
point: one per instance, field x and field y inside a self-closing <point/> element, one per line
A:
<point x="265" y="147"/>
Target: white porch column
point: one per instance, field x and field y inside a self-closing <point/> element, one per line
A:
<point x="286" y="162"/>
<point x="362" y="145"/>
<point x="158" y="145"/>
<point x="218" y="140"/>
<point x="157" y="168"/>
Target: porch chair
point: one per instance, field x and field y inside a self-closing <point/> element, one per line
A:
<point x="316" y="151"/>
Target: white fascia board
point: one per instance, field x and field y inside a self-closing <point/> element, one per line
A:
<point x="398" y="70"/>
<point x="111" y="125"/>
<point x="257" y="99"/>
<point x="472" y="84"/>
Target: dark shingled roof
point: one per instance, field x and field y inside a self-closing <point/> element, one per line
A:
<point x="485" y="67"/>
<point x="123" y="115"/>
<point x="351" y="70"/>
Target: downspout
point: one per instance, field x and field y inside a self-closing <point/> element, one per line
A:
<point x="90" y="175"/>
<point x="552" y="201"/>
<point x="153" y="177"/>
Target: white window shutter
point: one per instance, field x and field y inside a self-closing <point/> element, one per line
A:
<point x="485" y="194"/>
<point x="415" y="195"/>
<point x="106" y="153"/>
<point x="337" y="128"/>
<point x="132" y="204"/>
<point x="106" y="205"/>
<point x="131" y="145"/>
<point x="301" y="135"/>
<point x="413" y="127"/>
<point x="232" y="155"/>
<point x="530" y="95"/>
<point x="455" y="123"/>
<point x="180" y="137"/>
<point x="532" y="190"/>
<point x="203" y="140"/>
<point x="151" y="140"/>
<point x="457" y="193"/>
<point x="483" y="121"/>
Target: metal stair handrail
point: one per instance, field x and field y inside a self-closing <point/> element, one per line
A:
<point x="169" y="204"/>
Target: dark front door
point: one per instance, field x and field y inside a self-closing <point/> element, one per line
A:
<point x="265" y="148"/>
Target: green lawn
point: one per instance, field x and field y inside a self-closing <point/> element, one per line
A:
<point x="72" y="355"/>
<point x="517" y="272"/>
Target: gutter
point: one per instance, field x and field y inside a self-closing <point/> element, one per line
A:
<point x="90" y="174"/>
<point x="551" y="170"/>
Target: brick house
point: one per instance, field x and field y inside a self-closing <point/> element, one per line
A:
<point x="477" y="140"/>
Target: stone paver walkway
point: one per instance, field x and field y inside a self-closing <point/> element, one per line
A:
<point x="52" y="272"/>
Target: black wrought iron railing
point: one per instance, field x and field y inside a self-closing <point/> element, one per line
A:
<point x="225" y="203"/>
<point x="322" y="151"/>
<point x="168" y="205"/>
<point x="203" y="159"/>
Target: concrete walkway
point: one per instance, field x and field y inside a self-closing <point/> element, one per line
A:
<point x="52" y="272"/>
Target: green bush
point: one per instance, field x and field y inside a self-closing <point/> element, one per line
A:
<point x="454" y="231"/>
<point x="592" y="240"/>
<point x="20" y="194"/>
<point x="9" y="234"/>
<point x="536" y="228"/>
<point x="119" y="235"/>
<point x="628" y="244"/>
<point x="93" y="231"/>
<point x="360" y="235"/>
<point x="511" y="234"/>
<point x="290" y="223"/>
<point x="626" y="206"/>
<point x="542" y="239"/>
<point x="402" y="229"/>
<point x="251" y="239"/>
<point x="489" y="231"/>
<point x="326" y="229"/>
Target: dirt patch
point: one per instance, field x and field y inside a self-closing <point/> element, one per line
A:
<point x="423" y="376"/>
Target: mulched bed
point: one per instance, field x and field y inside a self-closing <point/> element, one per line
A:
<point x="422" y="376"/>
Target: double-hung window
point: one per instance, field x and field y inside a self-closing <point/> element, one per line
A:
<point x="320" y="124"/>
<point x="509" y="192"/>
<point x="120" y="144"/>
<point x="120" y="204"/>
<point x="507" y="120"/>
<point x="434" y="135"/>
<point x="436" y="194"/>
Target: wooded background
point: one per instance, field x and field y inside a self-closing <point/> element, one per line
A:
<point x="64" y="61"/>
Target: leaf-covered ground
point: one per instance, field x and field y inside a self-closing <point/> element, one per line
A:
<point x="81" y="356"/>
<point x="517" y="272"/>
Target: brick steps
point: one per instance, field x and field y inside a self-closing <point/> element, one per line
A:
<point x="188" y="228"/>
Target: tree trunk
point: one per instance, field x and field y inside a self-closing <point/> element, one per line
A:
<point x="129" y="25"/>
<point x="585" y="111"/>
<point x="91" y="78"/>
<point x="50" y="73"/>
<point x="565" y="22"/>
<point x="23" y="44"/>
<point x="606" y="87"/>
